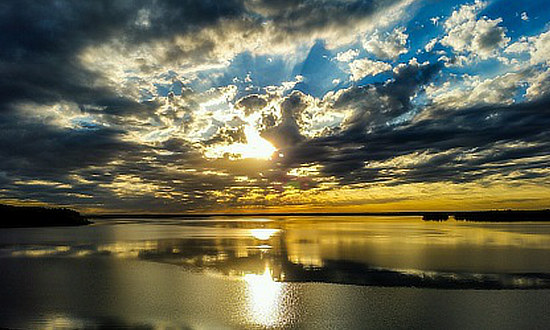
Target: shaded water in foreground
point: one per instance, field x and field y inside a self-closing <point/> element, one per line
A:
<point x="318" y="272"/>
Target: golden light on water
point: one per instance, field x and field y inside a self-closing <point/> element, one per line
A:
<point x="255" y="147"/>
<point x="264" y="298"/>
<point x="263" y="234"/>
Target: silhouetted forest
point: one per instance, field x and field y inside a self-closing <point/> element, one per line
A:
<point x="504" y="216"/>
<point x="24" y="216"/>
<point x="490" y="216"/>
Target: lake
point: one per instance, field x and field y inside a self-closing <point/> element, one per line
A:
<point x="277" y="272"/>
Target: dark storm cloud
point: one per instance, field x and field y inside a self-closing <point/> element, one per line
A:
<point x="287" y="132"/>
<point x="94" y="168"/>
<point x="28" y="148"/>
<point x="40" y="40"/>
<point x="309" y="16"/>
<point x="97" y="164"/>
<point x="373" y="106"/>
<point x="251" y="103"/>
<point x="450" y="146"/>
<point x="238" y="26"/>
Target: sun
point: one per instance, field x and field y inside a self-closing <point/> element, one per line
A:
<point x="256" y="147"/>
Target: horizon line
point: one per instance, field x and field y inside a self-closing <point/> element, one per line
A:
<point x="255" y="214"/>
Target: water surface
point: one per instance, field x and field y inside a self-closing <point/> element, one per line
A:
<point x="284" y="272"/>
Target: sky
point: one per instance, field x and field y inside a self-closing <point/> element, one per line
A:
<point x="275" y="105"/>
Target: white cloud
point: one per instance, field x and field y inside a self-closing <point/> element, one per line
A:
<point x="478" y="37"/>
<point x="539" y="85"/>
<point x="541" y="48"/>
<point x="524" y="16"/>
<point x="538" y="48"/>
<point x="474" y="91"/>
<point x="431" y="44"/>
<point x="366" y="67"/>
<point x="435" y="20"/>
<point x="347" y="55"/>
<point x="520" y="46"/>
<point x="388" y="46"/>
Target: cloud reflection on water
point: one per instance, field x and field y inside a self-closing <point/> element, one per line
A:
<point x="373" y="252"/>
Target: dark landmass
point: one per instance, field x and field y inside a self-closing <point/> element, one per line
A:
<point x="24" y="216"/>
<point x="491" y="216"/>
<point x="480" y="216"/>
<point x="435" y="216"/>
<point x="504" y="216"/>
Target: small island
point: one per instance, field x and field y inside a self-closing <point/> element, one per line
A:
<point x="33" y="216"/>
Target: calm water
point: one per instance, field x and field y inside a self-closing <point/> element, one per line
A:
<point x="312" y="273"/>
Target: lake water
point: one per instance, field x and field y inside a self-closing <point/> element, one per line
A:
<point x="280" y="272"/>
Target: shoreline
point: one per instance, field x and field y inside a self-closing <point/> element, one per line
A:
<point x="32" y="216"/>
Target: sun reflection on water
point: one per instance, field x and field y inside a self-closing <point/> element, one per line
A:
<point x="264" y="298"/>
<point x="263" y="234"/>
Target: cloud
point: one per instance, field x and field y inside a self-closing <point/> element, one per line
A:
<point x="288" y="131"/>
<point x="539" y="84"/>
<point x="387" y="46"/>
<point x="251" y="103"/>
<point x="259" y="27"/>
<point x="457" y="147"/>
<point x="364" y="67"/>
<point x="367" y="109"/>
<point x="347" y="56"/>
<point x="524" y="16"/>
<point x="146" y="35"/>
<point x="338" y="22"/>
<point x="540" y="48"/>
<point x="467" y="34"/>
<point x="474" y="91"/>
<point x="458" y="142"/>
<point x="431" y="44"/>
<point x="116" y="105"/>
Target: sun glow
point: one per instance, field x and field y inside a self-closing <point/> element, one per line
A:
<point x="256" y="147"/>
